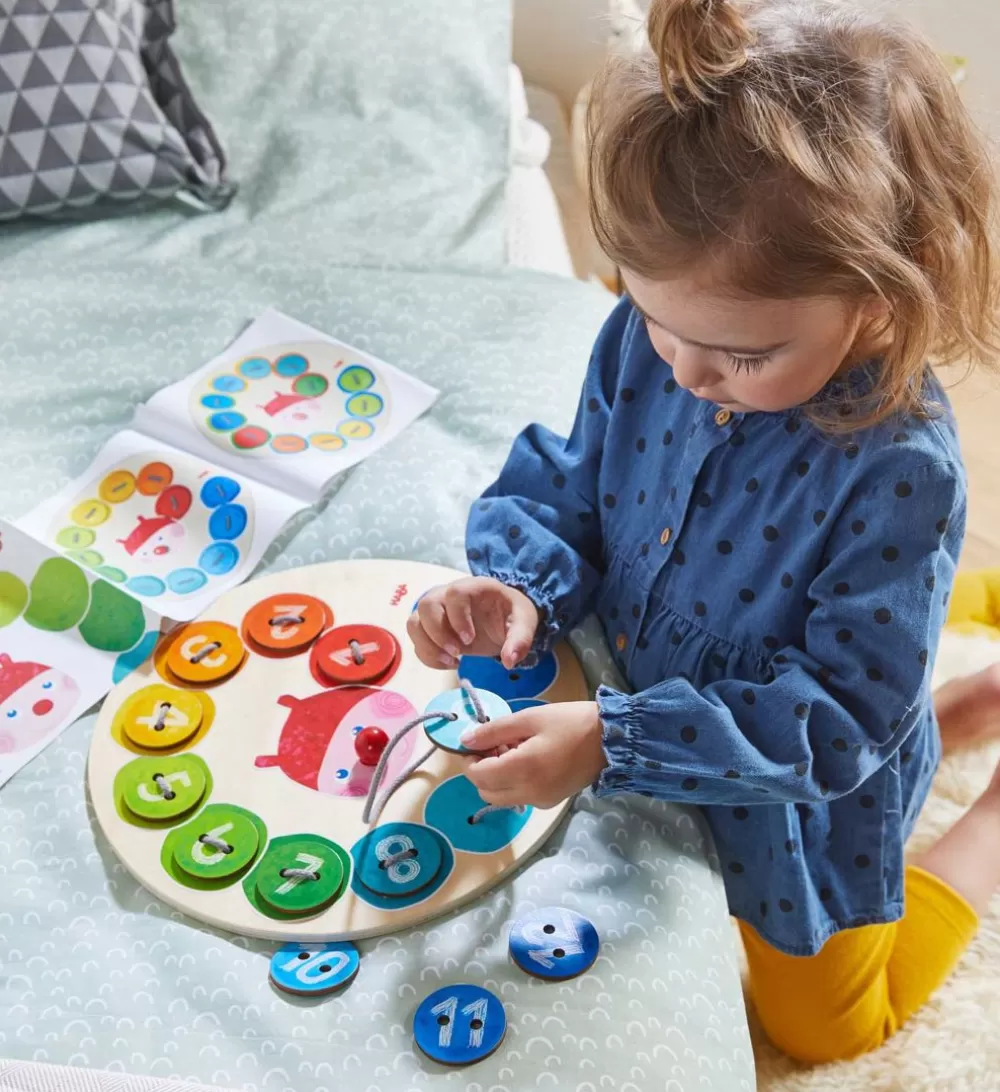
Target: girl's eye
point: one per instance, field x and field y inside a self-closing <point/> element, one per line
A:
<point x="46" y="686"/>
<point x="749" y="364"/>
<point x="11" y="714"/>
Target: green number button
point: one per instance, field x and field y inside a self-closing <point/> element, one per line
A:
<point x="217" y="844"/>
<point x="300" y="876"/>
<point x="160" y="789"/>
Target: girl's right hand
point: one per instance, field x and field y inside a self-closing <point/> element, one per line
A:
<point x="475" y="616"/>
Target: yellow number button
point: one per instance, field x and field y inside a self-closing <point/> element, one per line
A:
<point x="159" y="717"/>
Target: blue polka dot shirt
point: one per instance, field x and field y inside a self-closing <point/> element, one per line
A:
<point x="773" y="595"/>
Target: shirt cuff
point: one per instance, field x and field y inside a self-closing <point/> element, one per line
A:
<point x="619" y="724"/>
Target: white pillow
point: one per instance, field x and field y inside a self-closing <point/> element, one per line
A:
<point x="530" y="143"/>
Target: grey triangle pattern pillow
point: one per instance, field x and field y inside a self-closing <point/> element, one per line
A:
<point x="95" y="112"/>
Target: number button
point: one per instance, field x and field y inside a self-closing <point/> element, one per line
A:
<point x="485" y="673"/>
<point x="161" y="789"/>
<point x="355" y="654"/>
<point x="219" y="844"/>
<point x="286" y="623"/>
<point x="459" y="716"/>
<point x="554" y="943"/>
<point x="398" y="859"/>
<point x="205" y="652"/>
<point x="459" y="1025"/>
<point x="300" y="877"/>
<point x="157" y="718"/>
<point x="312" y="970"/>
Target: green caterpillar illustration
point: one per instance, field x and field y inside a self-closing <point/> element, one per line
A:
<point x="60" y="597"/>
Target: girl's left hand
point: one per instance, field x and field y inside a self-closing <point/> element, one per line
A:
<point x="554" y="751"/>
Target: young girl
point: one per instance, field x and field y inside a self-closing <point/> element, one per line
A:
<point x="763" y="497"/>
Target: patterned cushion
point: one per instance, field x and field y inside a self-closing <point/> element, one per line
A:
<point x="94" y="110"/>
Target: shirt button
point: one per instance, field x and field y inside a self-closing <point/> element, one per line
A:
<point x="665" y="535"/>
<point x="620" y="642"/>
<point x="723" y="417"/>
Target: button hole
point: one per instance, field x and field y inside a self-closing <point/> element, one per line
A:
<point x="558" y="953"/>
<point x="475" y="1024"/>
<point x="548" y="929"/>
<point x="443" y="1020"/>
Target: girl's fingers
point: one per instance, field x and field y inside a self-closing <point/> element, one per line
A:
<point x="427" y="651"/>
<point x="434" y="620"/>
<point x="458" y="611"/>
<point x="505" y="731"/>
<point x="502" y="798"/>
<point x="511" y="772"/>
<point x="522" y="622"/>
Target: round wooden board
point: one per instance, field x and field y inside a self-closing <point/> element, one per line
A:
<point x="248" y="723"/>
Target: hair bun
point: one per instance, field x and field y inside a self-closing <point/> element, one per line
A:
<point x="697" y="43"/>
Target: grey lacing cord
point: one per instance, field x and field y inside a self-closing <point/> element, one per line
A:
<point x="366" y="815"/>
<point x="371" y="813"/>
<point x="491" y="808"/>
<point x="164" y="786"/>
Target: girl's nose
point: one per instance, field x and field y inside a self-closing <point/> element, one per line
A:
<point x="693" y="368"/>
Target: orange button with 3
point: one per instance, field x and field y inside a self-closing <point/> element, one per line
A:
<point x="205" y="652"/>
<point x="286" y="623"/>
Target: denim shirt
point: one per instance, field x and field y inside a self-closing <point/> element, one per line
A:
<point x="773" y="595"/>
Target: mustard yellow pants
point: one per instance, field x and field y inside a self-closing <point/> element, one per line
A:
<point x="859" y="989"/>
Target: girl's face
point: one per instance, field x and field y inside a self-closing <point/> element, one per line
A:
<point x="746" y="354"/>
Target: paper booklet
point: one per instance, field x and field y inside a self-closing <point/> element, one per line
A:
<point x="181" y="506"/>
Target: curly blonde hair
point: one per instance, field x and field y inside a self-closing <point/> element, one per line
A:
<point x="809" y="149"/>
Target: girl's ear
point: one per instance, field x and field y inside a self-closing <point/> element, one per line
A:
<point x="874" y="326"/>
<point x="876" y="311"/>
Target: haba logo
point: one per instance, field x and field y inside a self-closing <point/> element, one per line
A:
<point x="155" y="537"/>
<point x="34" y="700"/>
<point x="398" y="596"/>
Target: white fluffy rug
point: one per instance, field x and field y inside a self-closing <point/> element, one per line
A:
<point x="953" y="1044"/>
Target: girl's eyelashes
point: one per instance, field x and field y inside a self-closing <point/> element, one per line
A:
<point x="748" y="364"/>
